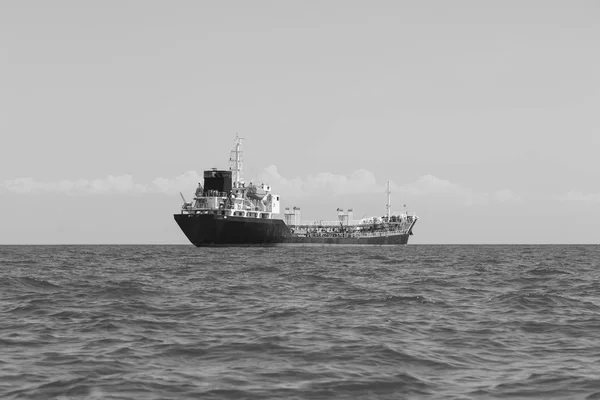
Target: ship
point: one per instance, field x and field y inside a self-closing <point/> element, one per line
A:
<point x="226" y="211"/>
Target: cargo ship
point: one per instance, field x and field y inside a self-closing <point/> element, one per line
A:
<point x="226" y="211"/>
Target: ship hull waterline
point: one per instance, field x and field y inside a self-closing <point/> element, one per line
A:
<point x="210" y="230"/>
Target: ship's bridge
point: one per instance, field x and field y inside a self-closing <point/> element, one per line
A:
<point x="221" y="196"/>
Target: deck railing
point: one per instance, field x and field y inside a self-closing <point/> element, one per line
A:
<point x="352" y="234"/>
<point x="211" y="193"/>
<point x="355" y="222"/>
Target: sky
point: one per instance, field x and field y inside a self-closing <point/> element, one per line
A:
<point x="482" y="115"/>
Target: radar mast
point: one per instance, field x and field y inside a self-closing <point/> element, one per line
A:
<point x="388" y="205"/>
<point x="236" y="160"/>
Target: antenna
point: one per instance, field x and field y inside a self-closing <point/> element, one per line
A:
<point x="388" y="205"/>
<point x="182" y="197"/>
<point x="236" y="159"/>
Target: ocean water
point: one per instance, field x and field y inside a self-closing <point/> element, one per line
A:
<point x="179" y="322"/>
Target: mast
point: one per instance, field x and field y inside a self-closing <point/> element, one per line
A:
<point x="388" y="205"/>
<point x="236" y="159"/>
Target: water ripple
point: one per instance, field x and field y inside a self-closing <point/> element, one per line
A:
<point x="440" y="322"/>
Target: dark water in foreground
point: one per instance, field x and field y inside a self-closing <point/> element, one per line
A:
<point x="177" y="322"/>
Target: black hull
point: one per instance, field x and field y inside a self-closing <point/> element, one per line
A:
<point x="218" y="230"/>
<point x="215" y="230"/>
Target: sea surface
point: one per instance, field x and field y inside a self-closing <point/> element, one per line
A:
<point x="399" y="322"/>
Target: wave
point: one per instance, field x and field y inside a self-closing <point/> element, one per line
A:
<point x="125" y="288"/>
<point x="539" y="300"/>
<point x="19" y="263"/>
<point x="73" y="386"/>
<point x="28" y="284"/>
<point x="388" y="300"/>
<point x="261" y="269"/>
<point x="548" y="384"/>
<point x="428" y="282"/>
<point x="547" y="271"/>
<point x="285" y="313"/>
<point x="402" y="383"/>
<point x="322" y="278"/>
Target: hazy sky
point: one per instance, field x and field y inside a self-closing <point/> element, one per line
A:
<point x="483" y="114"/>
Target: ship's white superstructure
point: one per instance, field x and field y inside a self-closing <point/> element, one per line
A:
<point x="237" y="199"/>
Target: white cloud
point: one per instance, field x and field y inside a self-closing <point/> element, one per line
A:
<point x="574" y="195"/>
<point x="110" y="184"/>
<point x="363" y="181"/>
<point x="121" y="184"/>
<point x="505" y="196"/>
<point x="324" y="183"/>
<point x="360" y="181"/>
<point x="183" y="183"/>
<point x="429" y="185"/>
